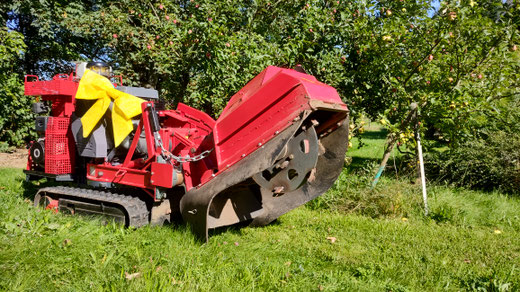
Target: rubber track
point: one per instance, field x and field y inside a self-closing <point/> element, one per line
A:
<point x="135" y="208"/>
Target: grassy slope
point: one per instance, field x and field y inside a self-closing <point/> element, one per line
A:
<point x="458" y="247"/>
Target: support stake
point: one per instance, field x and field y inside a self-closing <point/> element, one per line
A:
<point x="421" y="167"/>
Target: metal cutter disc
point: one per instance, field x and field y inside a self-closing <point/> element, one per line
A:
<point x="293" y="169"/>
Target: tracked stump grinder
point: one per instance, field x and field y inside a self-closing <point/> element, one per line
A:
<point x="115" y="151"/>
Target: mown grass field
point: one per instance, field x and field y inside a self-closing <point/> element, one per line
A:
<point x="352" y="238"/>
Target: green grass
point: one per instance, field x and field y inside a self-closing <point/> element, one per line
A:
<point x="469" y="242"/>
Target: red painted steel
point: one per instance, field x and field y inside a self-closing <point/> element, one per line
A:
<point x="59" y="144"/>
<point x="266" y="105"/>
<point x="162" y="175"/>
<point x="61" y="84"/>
<point x="29" y="157"/>
<point x="61" y="91"/>
<point x="60" y="148"/>
<point x="120" y="175"/>
<point x="53" y="205"/>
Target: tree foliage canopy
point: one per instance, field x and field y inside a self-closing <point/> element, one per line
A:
<point x="457" y="61"/>
<point x="15" y="113"/>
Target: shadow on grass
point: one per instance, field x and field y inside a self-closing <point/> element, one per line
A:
<point x="374" y="135"/>
<point x="359" y="159"/>
<point x="233" y="229"/>
<point x="30" y="188"/>
<point x="237" y="228"/>
<point x="359" y="163"/>
<point x="370" y="165"/>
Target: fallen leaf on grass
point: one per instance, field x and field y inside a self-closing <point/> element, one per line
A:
<point x="404" y="219"/>
<point x="158" y="268"/>
<point x="497" y="231"/>
<point x="175" y="282"/>
<point x="132" y="276"/>
<point x="331" y="238"/>
<point x="320" y="287"/>
<point x="67" y="242"/>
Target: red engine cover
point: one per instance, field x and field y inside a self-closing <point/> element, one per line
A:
<point x="265" y="106"/>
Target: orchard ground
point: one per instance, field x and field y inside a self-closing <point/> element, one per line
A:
<point x="351" y="238"/>
<point x="16" y="158"/>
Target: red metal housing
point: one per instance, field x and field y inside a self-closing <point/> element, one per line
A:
<point x="271" y="105"/>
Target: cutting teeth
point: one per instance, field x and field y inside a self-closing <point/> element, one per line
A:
<point x="278" y="190"/>
<point x="283" y="164"/>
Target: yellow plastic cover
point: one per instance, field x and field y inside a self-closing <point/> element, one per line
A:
<point x="93" y="86"/>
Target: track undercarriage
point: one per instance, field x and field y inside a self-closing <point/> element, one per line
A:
<point x="124" y="209"/>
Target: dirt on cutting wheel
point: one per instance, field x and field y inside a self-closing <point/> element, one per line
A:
<point x="16" y="159"/>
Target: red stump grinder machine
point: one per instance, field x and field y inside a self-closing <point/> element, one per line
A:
<point x="115" y="151"/>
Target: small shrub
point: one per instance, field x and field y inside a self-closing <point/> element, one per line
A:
<point x="443" y="213"/>
<point x="486" y="163"/>
<point x="367" y="270"/>
<point x="352" y="193"/>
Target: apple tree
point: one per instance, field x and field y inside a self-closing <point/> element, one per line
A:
<point x="202" y="52"/>
<point x="454" y="64"/>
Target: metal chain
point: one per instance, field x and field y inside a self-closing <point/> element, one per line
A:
<point x="168" y="156"/>
<point x="197" y="157"/>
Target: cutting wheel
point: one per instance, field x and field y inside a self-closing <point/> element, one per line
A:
<point x="293" y="168"/>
